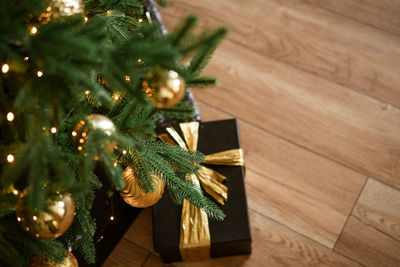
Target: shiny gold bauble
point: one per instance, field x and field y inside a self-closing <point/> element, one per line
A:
<point x="39" y="261"/>
<point x="50" y="223"/>
<point x="61" y="8"/>
<point x="164" y="87"/>
<point x="135" y="196"/>
<point x="94" y="121"/>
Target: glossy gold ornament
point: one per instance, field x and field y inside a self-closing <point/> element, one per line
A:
<point x="164" y="87"/>
<point x="50" y="223"/>
<point x="39" y="261"/>
<point x="94" y="121"/>
<point x="60" y="8"/>
<point x="135" y="196"/>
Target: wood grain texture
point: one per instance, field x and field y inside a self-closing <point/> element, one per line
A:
<point x="314" y="40"/>
<point x="154" y="261"/>
<point x="317" y="94"/>
<point x="368" y="245"/>
<point x="379" y="206"/>
<point x="141" y="231"/>
<point x="352" y="129"/>
<point x="126" y="254"/>
<point x="273" y="245"/>
<point x="295" y="187"/>
<point x="382" y="14"/>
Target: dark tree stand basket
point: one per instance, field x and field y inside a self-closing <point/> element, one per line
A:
<point x="108" y="232"/>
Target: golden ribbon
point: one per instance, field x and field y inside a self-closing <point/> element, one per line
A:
<point x="195" y="234"/>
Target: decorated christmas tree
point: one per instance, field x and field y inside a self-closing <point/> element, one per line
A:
<point x="82" y="84"/>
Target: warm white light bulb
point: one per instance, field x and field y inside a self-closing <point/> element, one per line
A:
<point x="5" y="68"/>
<point x="39" y="73"/>
<point x="34" y="30"/>
<point x="87" y="92"/>
<point x="10" y="158"/>
<point x="74" y="133"/>
<point x="112" y="218"/>
<point x="124" y="152"/>
<point x="53" y="130"/>
<point x="86" y="19"/>
<point x="140" y="20"/>
<point x="10" y="116"/>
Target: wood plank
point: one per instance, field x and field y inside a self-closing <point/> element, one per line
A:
<point x="154" y="261"/>
<point x="126" y="254"/>
<point x="382" y="14"/>
<point x="275" y="245"/>
<point x="379" y="206"/>
<point x="348" y="127"/>
<point x="352" y="129"/>
<point x="295" y="187"/>
<point x="368" y="245"/>
<point x="141" y="231"/>
<point x="311" y="39"/>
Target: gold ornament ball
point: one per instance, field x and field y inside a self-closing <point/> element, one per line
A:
<point x="164" y="87"/>
<point x="135" y="196"/>
<point x="39" y="261"/>
<point x="61" y="8"/>
<point x="47" y="224"/>
<point x="95" y="121"/>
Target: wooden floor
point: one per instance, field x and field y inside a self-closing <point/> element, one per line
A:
<point x="316" y="88"/>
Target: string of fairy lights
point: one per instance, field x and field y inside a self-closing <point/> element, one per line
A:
<point x="174" y="89"/>
<point x="5" y="68"/>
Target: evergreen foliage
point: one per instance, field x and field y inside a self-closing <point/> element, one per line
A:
<point x="84" y="64"/>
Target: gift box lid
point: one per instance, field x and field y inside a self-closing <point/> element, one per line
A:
<point x="228" y="237"/>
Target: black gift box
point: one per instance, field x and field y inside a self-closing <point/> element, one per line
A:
<point x="228" y="237"/>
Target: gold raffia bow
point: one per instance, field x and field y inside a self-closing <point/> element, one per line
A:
<point x="195" y="234"/>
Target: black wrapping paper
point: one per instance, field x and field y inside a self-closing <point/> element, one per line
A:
<point x="229" y="237"/>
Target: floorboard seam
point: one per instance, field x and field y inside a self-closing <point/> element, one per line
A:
<point x="149" y="251"/>
<point x="377" y="229"/>
<point x="353" y="89"/>
<point x="392" y="34"/>
<point x="282" y="184"/>
<point x="145" y="260"/>
<point x="296" y="144"/>
<point x="302" y="235"/>
<point x="351" y="212"/>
